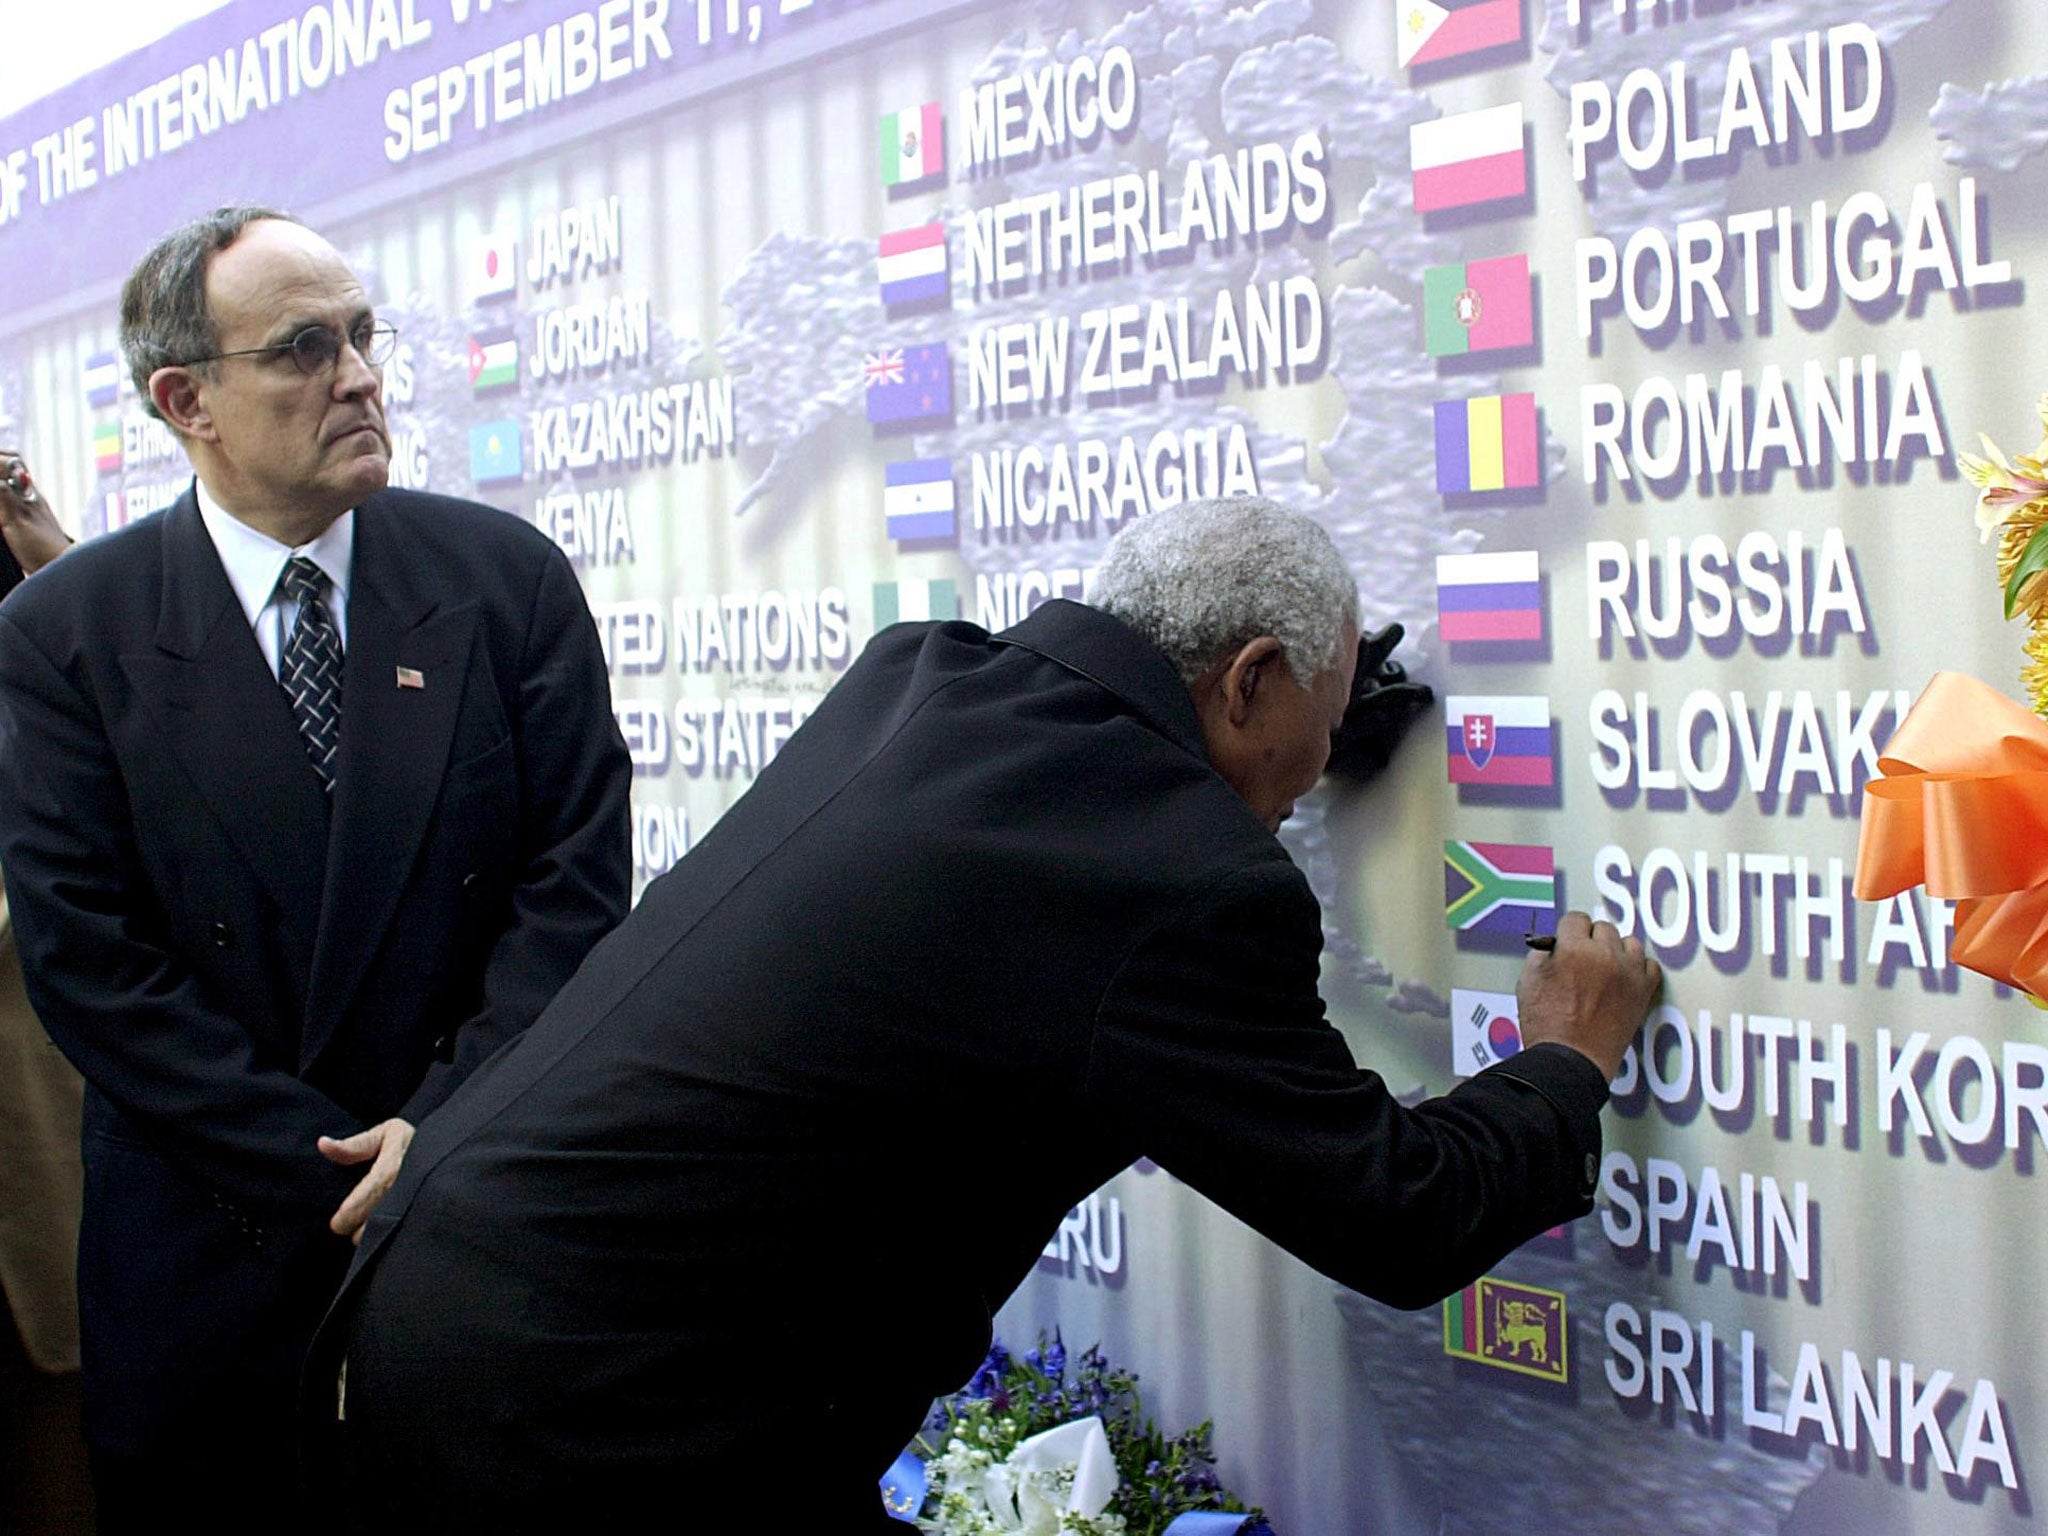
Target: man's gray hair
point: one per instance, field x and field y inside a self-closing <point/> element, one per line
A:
<point x="164" y="318"/>
<point x="1203" y="580"/>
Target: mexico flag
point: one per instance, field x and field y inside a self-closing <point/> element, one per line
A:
<point x="1471" y="157"/>
<point x="913" y="145"/>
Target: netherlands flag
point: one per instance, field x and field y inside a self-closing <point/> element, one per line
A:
<point x="918" y="499"/>
<point x="1493" y="596"/>
<point x="1487" y="444"/>
<point x="1472" y="157"/>
<point x="911" y="264"/>
<point x="1499" y="739"/>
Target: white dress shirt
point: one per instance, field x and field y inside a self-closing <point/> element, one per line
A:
<point x="254" y="561"/>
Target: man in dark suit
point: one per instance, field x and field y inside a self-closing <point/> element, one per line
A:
<point x="1005" y="914"/>
<point x="310" y="798"/>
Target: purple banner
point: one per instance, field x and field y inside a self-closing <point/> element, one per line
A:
<point x="363" y="100"/>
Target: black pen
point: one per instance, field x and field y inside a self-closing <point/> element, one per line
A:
<point x="1542" y="941"/>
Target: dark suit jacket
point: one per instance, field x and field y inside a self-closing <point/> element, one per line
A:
<point x="235" y="977"/>
<point x="743" y="1200"/>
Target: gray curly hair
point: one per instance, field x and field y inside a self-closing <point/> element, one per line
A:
<point x="1201" y="581"/>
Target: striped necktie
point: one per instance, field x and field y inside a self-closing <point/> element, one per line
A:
<point x="310" y="669"/>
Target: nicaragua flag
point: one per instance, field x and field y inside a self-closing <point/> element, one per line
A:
<point x="103" y="378"/>
<point x="1467" y="158"/>
<point x="914" y="600"/>
<point x="1500" y="888"/>
<point x="1499" y="739"/>
<point x="913" y="145"/>
<point x="1487" y="444"/>
<point x="917" y="499"/>
<point x="496" y="452"/>
<point x="911" y="264"/>
<point x="908" y="383"/>
<point x="1493" y="596"/>
<point x="1477" y="306"/>
<point x="1429" y="33"/>
<point x="1484" y="1029"/>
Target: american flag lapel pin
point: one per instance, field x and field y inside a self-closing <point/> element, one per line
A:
<point x="410" y="678"/>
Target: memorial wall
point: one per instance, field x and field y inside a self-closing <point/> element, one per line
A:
<point x="1624" y="349"/>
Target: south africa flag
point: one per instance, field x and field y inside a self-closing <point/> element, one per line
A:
<point x="1500" y="888"/>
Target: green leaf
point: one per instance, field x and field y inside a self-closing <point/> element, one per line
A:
<point x="2032" y="562"/>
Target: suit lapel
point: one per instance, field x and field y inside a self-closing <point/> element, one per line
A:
<point x="230" y="726"/>
<point x="394" y="749"/>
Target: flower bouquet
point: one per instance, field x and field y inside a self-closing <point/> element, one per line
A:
<point x="1025" y="1449"/>
<point x="1963" y="804"/>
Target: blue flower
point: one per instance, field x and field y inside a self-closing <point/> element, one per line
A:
<point x="1055" y="1357"/>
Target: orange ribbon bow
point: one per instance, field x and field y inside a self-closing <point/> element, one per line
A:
<point x="1963" y="809"/>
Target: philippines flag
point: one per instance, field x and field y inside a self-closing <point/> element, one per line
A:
<point x="495" y="452"/>
<point x="1484" y="1030"/>
<point x="913" y="144"/>
<point x="492" y="263"/>
<point x="906" y="602"/>
<point x="1492" y="596"/>
<point x="1477" y="306"/>
<point x="1471" y="157"/>
<point x="1487" y="444"/>
<point x="1500" y="888"/>
<point x="908" y="383"/>
<point x="917" y="499"/>
<point x="911" y="264"/>
<point x="1430" y="33"/>
<point x="103" y="378"/>
<point x="1499" y="739"/>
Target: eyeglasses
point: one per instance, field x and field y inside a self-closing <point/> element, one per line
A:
<point x="316" y="348"/>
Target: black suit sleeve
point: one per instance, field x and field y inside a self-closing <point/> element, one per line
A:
<point x="1213" y="1046"/>
<point x="574" y="859"/>
<point x="106" y="978"/>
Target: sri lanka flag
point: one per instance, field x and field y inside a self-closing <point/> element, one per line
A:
<point x="1430" y="33"/>
<point x="1500" y="888"/>
<point x="1467" y="158"/>
<point x="1497" y="595"/>
<point x="1499" y="739"/>
<point x="913" y="144"/>
<point x="1487" y="443"/>
<point x="1520" y="1328"/>
<point x="1477" y="306"/>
